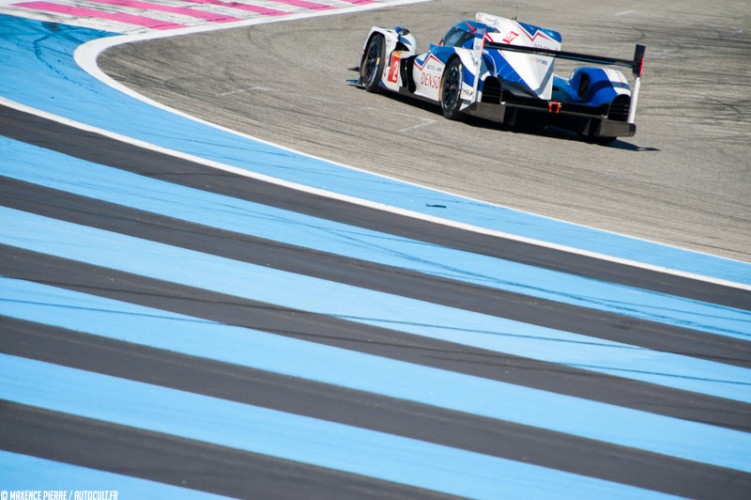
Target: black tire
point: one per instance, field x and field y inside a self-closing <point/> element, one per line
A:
<point x="371" y="67"/>
<point x="451" y="90"/>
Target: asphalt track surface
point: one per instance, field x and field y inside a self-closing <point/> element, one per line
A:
<point x="658" y="186"/>
<point x="684" y="179"/>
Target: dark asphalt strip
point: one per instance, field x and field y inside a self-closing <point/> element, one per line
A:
<point x="22" y="264"/>
<point x="181" y="462"/>
<point x="99" y="149"/>
<point x="379" y="413"/>
<point x="362" y="274"/>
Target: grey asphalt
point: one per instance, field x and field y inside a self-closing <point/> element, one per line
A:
<point x="685" y="179"/>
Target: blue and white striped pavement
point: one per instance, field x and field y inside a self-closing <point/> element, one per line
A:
<point x="64" y="90"/>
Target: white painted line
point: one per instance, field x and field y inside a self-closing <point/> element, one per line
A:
<point x="248" y="89"/>
<point x="426" y="121"/>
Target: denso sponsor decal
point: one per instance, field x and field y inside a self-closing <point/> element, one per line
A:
<point x="429" y="80"/>
<point x="430" y="74"/>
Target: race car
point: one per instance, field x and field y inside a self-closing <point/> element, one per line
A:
<point x="502" y="70"/>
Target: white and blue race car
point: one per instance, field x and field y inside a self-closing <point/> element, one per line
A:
<point x="502" y="70"/>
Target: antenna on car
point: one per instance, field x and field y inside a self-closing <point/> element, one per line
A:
<point x="516" y="14"/>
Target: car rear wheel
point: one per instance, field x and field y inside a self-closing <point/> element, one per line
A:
<point x="371" y="67"/>
<point x="451" y="90"/>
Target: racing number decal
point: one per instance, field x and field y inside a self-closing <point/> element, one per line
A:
<point x="394" y="67"/>
<point x="510" y="37"/>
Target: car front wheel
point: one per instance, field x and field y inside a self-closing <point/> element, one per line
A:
<point x="451" y="90"/>
<point x="371" y="67"/>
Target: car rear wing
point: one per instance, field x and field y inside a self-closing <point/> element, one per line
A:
<point x="636" y="64"/>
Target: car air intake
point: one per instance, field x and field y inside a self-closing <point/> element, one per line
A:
<point x="491" y="91"/>
<point x="619" y="108"/>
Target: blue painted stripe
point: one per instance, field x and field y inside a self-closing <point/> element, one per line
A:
<point x="24" y="473"/>
<point x="155" y="260"/>
<point x="468" y="394"/>
<point x="286" y="436"/>
<point x="87" y="179"/>
<point x="35" y="53"/>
